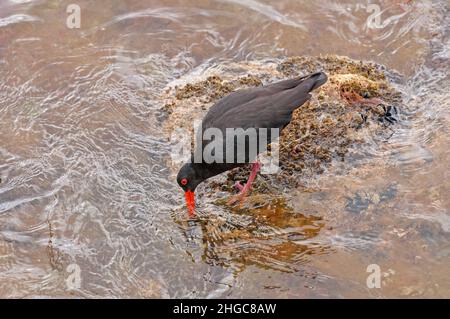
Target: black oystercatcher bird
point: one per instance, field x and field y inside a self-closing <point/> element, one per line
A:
<point x="267" y="107"/>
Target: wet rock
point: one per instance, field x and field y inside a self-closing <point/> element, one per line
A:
<point x="214" y="87"/>
<point x="340" y="115"/>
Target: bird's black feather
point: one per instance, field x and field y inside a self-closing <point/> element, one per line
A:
<point x="265" y="107"/>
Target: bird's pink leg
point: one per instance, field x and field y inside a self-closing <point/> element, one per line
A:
<point x="239" y="186"/>
<point x="244" y="189"/>
<point x="255" y="169"/>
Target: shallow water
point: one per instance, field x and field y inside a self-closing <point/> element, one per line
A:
<point x="86" y="190"/>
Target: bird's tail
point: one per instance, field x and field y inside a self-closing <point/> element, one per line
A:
<point x="315" y="80"/>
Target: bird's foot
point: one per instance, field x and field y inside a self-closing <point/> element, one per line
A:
<point x="245" y="189"/>
<point x="239" y="198"/>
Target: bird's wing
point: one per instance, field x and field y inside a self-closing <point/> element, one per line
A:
<point x="269" y="108"/>
<point x="274" y="111"/>
<point x="240" y="97"/>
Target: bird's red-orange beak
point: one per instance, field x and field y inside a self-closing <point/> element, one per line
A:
<point x="190" y="202"/>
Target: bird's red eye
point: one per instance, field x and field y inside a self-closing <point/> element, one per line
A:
<point x="184" y="182"/>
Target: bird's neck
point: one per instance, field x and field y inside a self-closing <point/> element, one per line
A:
<point x="204" y="170"/>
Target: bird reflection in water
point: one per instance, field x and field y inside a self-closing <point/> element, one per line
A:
<point x="264" y="231"/>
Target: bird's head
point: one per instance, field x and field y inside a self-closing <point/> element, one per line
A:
<point x="188" y="178"/>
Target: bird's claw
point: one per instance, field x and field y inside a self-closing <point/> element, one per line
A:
<point x="245" y="189"/>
